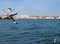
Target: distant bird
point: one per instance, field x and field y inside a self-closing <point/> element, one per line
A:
<point x="9" y="15"/>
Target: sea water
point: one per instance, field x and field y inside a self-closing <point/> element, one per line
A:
<point x="30" y="32"/>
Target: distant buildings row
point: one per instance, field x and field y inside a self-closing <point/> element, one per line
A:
<point x="30" y="17"/>
<point x="36" y="17"/>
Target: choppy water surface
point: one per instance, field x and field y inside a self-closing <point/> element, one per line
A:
<point x="30" y="32"/>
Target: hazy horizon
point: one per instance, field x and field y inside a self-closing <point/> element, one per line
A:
<point x="32" y="7"/>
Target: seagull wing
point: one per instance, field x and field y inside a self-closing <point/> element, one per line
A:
<point x="12" y="18"/>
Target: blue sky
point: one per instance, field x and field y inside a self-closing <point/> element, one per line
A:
<point x="32" y="7"/>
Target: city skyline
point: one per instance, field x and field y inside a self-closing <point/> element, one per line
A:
<point x="32" y="7"/>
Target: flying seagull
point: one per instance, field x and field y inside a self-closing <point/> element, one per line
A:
<point x="8" y="11"/>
